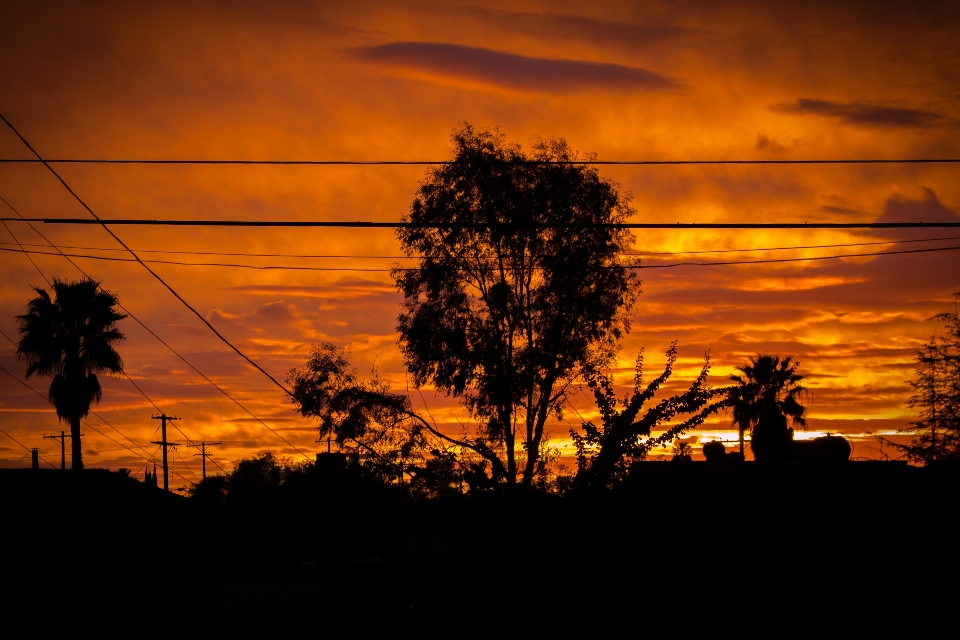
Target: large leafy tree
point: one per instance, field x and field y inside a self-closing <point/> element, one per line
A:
<point x="70" y="337"/>
<point x="521" y="287"/>
<point x="767" y="394"/>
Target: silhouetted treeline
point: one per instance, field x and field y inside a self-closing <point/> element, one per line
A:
<point x="267" y="480"/>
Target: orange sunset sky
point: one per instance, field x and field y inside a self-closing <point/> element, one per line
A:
<point x="389" y="81"/>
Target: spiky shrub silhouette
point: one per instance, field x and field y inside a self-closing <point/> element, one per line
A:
<point x="605" y="451"/>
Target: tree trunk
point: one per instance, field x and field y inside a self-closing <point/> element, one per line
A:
<point x="75" y="450"/>
<point x="509" y="439"/>
<point x="540" y="419"/>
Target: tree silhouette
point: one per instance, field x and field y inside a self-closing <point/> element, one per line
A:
<point x="936" y="395"/>
<point x="766" y="395"/>
<point x="70" y="337"/>
<point x="604" y="452"/>
<point x="519" y="290"/>
<point x="390" y="437"/>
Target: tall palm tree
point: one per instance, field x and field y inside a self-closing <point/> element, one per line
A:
<point x="70" y="338"/>
<point x="767" y="394"/>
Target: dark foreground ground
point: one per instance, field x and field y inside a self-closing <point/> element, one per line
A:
<point x="673" y="543"/>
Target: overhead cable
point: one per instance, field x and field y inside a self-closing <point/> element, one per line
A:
<point x="376" y="270"/>
<point x="312" y="256"/>
<point x="164" y="343"/>
<point x="84" y="421"/>
<point x="366" y="224"/>
<point x="579" y="162"/>
<point x="149" y="270"/>
<point x="48" y="400"/>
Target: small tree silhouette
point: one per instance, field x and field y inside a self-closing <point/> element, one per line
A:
<point x="936" y="389"/>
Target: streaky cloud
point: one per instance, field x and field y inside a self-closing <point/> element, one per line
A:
<point x="862" y="114"/>
<point x="845" y="211"/>
<point x="553" y="26"/>
<point x="512" y="71"/>
<point x="340" y="289"/>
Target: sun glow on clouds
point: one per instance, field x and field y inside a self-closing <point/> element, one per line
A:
<point x="793" y="284"/>
<point x="381" y="81"/>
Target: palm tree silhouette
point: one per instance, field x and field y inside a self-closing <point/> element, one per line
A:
<point x="70" y="338"/>
<point x="767" y="394"/>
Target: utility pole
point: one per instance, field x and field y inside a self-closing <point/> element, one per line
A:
<point x="203" y="454"/>
<point x="164" y="418"/>
<point x="63" y="448"/>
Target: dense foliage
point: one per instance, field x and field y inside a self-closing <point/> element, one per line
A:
<point x="520" y="289"/>
<point x="257" y="480"/>
<point x="380" y="428"/>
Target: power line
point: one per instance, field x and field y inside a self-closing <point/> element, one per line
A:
<point x="22" y="249"/>
<point x="102" y="419"/>
<point x="42" y="275"/>
<point x="169" y="288"/>
<point x="223" y="253"/>
<point x="204" y="454"/>
<point x="193" y="444"/>
<point x="87" y="424"/>
<point x="125" y="375"/>
<point x="793" y="248"/>
<point x="366" y="224"/>
<point x="584" y="161"/>
<point x="126" y="447"/>
<point x="23" y="445"/>
<point x="375" y="270"/>
<point x="195" y="264"/>
<point x="164" y="343"/>
<point x="416" y="257"/>
<point x="772" y="260"/>
<point x="84" y="421"/>
<point x="10" y="436"/>
<point x="184" y="462"/>
<point x="149" y="270"/>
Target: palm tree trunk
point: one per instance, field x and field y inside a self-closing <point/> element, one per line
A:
<point x="75" y="450"/>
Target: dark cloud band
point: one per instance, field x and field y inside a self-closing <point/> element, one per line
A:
<point x="862" y="114"/>
<point x="513" y="71"/>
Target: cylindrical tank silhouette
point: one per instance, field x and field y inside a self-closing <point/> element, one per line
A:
<point x="822" y="450"/>
<point x="714" y="451"/>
